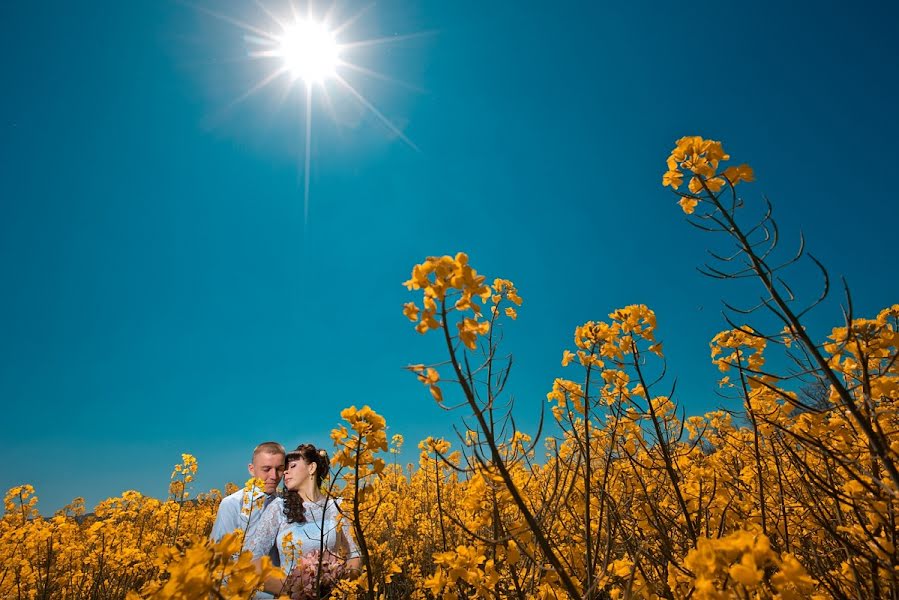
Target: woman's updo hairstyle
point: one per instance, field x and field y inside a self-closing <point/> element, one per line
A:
<point x="311" y="454"/>
<point x="293" y="503"/>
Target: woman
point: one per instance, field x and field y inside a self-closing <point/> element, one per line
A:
<point x="305" y="519"/>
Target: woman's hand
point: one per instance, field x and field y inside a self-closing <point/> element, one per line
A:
<point x="274" y="586"/>
<point x="353" y="568"/>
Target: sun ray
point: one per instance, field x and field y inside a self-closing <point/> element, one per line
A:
<point x="231" y="20"/>
<point x="213" y="62"/>
<point x="268" y="79"/>
<point x="387" y="123"/>
<point x="381" y="76"/>
<point x="293" y="10"/>
<point x="385" y="40"/>
<point x="219" y="114"/>
<point x="269" y="14"/>
<point x="297" y="16"/>
<point x="307" y="159"/>
<point x="349" y="22"/>
<point x="284" y="94"/>
<point x="329" y="14"/>
<point x="329" y="104"/>
<point x="259" y="40"/>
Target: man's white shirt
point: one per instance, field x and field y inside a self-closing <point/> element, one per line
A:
<point x="234" y="514"/>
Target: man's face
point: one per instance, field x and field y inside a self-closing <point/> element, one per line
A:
<point x="268" y="468"/>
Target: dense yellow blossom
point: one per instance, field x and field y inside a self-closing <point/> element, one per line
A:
<point x="761" y="525"/>
<point x="702" y="158"/>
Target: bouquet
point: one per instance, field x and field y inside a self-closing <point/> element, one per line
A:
<point x="314" y="576"/>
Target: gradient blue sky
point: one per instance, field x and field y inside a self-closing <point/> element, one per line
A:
<point x="161" y="292"/>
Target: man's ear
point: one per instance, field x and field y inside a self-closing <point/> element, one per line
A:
<point x="250" y="469"/>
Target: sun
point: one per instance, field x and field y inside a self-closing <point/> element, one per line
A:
<point x="306" y="49"/>
<point x="309" y="50"/>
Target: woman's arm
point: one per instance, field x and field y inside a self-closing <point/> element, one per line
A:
<point x="345" y="542"/>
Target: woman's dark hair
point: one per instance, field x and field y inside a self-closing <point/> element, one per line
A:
<point x="293" y="503"/>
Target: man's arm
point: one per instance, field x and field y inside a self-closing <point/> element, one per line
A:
<point x="227" y="519"/>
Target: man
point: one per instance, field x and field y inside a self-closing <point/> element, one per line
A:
<point x="267" y="465"/>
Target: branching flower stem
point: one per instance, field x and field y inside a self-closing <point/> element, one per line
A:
<point x="761" y="270"/>
<point x="500" y="466"/>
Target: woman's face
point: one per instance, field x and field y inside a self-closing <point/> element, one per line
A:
<point x="298" y="472"/>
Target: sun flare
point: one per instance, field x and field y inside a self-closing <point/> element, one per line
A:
<point x="305" y="49"/>
<point x="309" y="51"/>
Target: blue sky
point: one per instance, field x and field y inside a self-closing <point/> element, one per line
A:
<point x="163" y="293"/>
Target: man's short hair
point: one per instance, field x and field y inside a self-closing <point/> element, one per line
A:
<point x="269" y="448"/>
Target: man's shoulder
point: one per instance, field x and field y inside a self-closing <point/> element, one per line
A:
<point x="235" y="499"/>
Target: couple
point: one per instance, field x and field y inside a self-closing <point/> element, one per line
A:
<point x="300" y="520"/>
